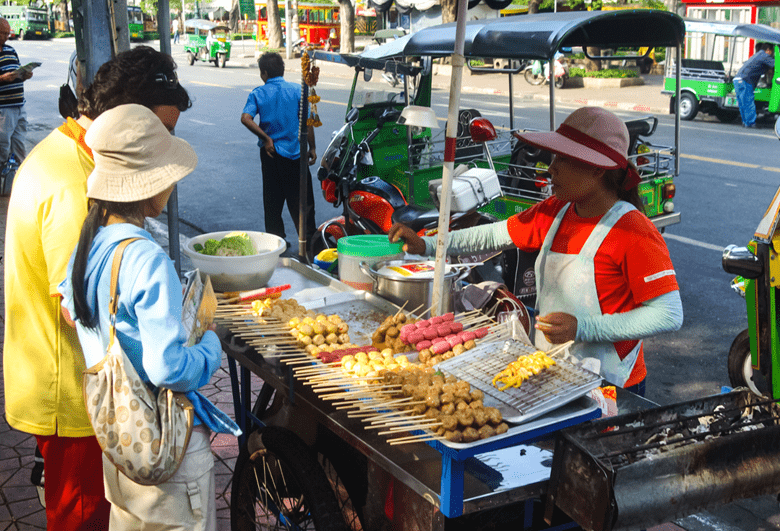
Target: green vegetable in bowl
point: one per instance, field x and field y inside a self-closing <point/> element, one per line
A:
<point x="234" y="244"/>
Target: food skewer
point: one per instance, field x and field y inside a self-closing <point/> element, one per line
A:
<point x="414" y="438"/>
<point x="559" y="348"/>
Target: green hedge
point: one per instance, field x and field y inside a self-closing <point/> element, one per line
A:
<point x="610" y="73"/>
<point x="62" y="34"/>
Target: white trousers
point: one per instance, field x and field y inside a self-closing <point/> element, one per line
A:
<point x="186" y="502"/>
<point x="13" y="133"/>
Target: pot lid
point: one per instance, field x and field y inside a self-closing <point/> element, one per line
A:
<point x="368" y="245"/>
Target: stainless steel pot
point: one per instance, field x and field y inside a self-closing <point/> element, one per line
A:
<point x="414" y="292"/>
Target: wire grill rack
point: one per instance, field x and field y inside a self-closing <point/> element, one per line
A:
<point x="543" y="392"/>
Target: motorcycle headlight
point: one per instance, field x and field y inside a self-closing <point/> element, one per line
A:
<point x="332" y="155"/>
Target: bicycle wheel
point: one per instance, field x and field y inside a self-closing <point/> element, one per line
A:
<point x="533" y="79"/>
<point x="281" y="486"/>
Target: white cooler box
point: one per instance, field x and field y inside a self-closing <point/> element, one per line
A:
<point x="471" y="189"/>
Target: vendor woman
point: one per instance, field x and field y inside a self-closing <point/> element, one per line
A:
<point x="604" y="276"/>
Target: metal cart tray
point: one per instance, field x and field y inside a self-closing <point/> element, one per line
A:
<point x="543" y="392"/>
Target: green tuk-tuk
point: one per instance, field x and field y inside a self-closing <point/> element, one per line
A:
<point x="209" y="43"/>
<point x="714" y="52"/>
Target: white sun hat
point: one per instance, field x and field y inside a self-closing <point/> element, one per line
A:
<point x="136" y="157"/>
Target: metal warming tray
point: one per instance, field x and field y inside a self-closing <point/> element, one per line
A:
<point x="644" y="469"/>
<point x="550" y="389"/>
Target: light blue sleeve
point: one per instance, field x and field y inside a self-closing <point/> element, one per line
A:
<point x="479" y="239"/>
<point x="156" y="304"/>
<point x="658" y="315"/>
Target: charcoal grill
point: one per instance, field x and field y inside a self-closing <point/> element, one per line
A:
<point x="639" y="470"/>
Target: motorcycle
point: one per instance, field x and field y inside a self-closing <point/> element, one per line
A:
<point x="536" y="73"/>
<point x="371" y="205"/>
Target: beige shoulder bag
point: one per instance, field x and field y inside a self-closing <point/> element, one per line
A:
<point x="145" y="437"/>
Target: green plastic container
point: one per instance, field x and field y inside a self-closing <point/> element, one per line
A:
<point x="369" y="248"/>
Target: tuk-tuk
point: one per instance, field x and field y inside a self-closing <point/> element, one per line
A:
<point x="410" y="159"/>
<point x="209" y="43"/>
<point x="714" y="52"/>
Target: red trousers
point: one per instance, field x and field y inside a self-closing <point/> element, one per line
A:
<point x="73" y="475"/>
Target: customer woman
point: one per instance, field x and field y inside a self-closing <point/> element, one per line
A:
<point x="604" y="276"/>
<point x="137" y="163"/>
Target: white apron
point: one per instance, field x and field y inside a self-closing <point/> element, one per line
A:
<point x="566" y="283"/>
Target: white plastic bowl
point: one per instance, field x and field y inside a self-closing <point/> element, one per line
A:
<point x="238" y="273"/>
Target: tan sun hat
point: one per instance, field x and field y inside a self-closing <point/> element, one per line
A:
<point x="136" y="157"/>
<point x="591" y="135"/>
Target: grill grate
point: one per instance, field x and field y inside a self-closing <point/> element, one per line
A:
<point x="543" y="392"/>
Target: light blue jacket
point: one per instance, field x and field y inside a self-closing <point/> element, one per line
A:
<point x="149" y="326"/>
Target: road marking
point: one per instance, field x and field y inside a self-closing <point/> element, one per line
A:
<point x="201" y="122"/>
<point x="697" y="243"/>
<point x="720" y="161"/>
<point x="209" y="84"/>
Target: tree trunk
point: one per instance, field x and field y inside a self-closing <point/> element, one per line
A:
<point x="533" y="6"/>
<point x="449" y="11"/>
<point x="274" y="33"/>
<point x="590" y="64"/>
<point x="347" y="17"/>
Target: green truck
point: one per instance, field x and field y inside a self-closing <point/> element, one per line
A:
<point x="708" y="68"/>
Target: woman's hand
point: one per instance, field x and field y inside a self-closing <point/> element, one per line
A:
<point x="557" y="327"/>
<point x="412" y="243"/>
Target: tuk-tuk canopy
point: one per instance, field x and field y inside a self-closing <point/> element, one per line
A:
<point x="541" y="35"/>
<point x="759" y="32"/>
<point x="204" y="25"/>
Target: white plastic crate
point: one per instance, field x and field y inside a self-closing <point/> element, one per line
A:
<point x="470" y="189"/>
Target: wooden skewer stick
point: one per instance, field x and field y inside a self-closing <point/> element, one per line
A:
<point x="389" y="421"/>
<point x="559" y="348"/>
<point x="400" y="429"/>
<point x="414" y="438"/>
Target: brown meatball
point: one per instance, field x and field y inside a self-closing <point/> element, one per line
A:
<point x="450" y="379"/>
<point x="432" y="413"/>
<point x="392" y="332"/>
<point x="476" y="404"/>
<point x="424" y="356"/>
<point x="446" y="398"/>
<point x="460" y="405"/>
<point x="502" y="428"/>
<point x="470" y="344"/>
<point x="463" y="384"/>
<point x="494" y="415"/>
<point x="419" y="409"/>
<point x="420" y="392"/>
<point x="465" y="418"/>
<point x="480" y="417"/>
<point x="448" y="387"/>
<point x="440" y="431"/>
<point x="453" y="436"/>
<point x="462" y="394"/>
<point x="476" y="394"/>
<point x="486" y="431"/>
<point x="407" y="389"/>
<point x="432" y="399"/>
<point x="448" y="409"/>
<point x="449" y="422"/>
<point x="470" y="435"/>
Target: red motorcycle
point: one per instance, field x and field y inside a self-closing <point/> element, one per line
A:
<point x="371" y="205"/>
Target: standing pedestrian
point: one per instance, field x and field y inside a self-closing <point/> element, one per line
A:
<point x="276" y="104"/>
<point x="137" y="164"/>
<point x="604" y="276"/>
<point x="746" y="80"/>
<point x="42" y="359"/>
<point x="13" y="118"/>
<point x="176" y="30"/>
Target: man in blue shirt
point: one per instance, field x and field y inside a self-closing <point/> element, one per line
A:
<point x="13" y="119"/>
<point x="747" y="78"/>
<point x="276" y="104"/>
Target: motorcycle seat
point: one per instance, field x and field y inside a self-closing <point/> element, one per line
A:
<point x="414" y="217"/>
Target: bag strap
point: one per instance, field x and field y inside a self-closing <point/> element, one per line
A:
<point x="113" y="302"/>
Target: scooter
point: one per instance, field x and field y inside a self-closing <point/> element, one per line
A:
<point x="536" y="74"/>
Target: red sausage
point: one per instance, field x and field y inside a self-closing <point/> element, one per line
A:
<point x="415" y="337"/>
<point x="422" y="324"/>
<point x="440" y="348"/>
<point x="430" y="332"/>
<point x="438" y="340"/>
<point x="455" y="340"/>
<point x="456" y="327"/>
<point x="422" y="345"/>
<point x="481" y="332"/>
<point x="442" y="329"/>
<point x="408" y="328"/>
<point x="436" y="320"/>
<point x="468" y="336"/>
<point x="448" y="316"/>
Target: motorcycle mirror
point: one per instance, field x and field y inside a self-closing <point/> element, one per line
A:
<point x="481" y="130"/>
<point x="368" y="74"/>
<point x="740" y="261"/>
<point x="353" y="115"/>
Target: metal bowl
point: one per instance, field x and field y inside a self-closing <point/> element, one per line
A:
<point x="238" y="273"/>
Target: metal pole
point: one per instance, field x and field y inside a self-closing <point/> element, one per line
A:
<point x="288" y="36"/>
<point x="551" y="76"/>
<point x="93" y="32"/>
<point x="677" y="74"/>
<point x="458" y="60"/>
<point x="303" y="196"/>
<point x="164" y="21"/>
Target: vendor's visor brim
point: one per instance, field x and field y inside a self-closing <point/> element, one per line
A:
<point x="560" y="145"/>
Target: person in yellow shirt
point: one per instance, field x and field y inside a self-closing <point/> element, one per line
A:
<point x="42" y="359"/>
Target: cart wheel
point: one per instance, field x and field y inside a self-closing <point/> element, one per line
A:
<point x="740" y="367"/>
<point x="533" y="79"/>
<point x="191" y="58"/>
<point x="221" y="60"/>
<point x="348" y="511"/>
<point x="777" y="127"/>
<point x="281" y="486"/>
<point x="689" y="106"/>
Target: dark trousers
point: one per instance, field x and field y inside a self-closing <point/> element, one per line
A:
<point x="281" y="183"/>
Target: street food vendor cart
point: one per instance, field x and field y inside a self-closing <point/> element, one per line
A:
<point x="326" y="446"/>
